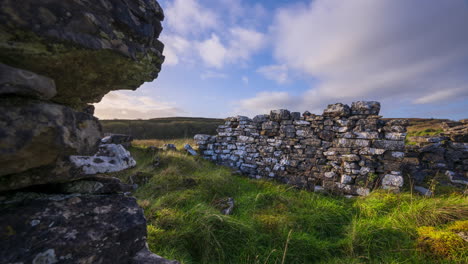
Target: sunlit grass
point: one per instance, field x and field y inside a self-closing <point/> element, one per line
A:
<point x="185" y="222"/>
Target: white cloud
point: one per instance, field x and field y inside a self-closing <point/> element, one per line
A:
<point x="212" y="51"/>
<point x="189" y="17"/>
<point x="121" y="105"/>
<point x="241" y="44"/>
<point x="278" y="73"/>
<point x="175" y="47"/>
<point x="393" y="50"/>
<point x="213" y="75"/>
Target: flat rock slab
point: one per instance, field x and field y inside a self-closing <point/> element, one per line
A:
<point x="71" y="229"/>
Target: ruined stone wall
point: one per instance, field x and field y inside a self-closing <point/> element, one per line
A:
<point x="444" y="157"/>
<point x="347" y="149"/>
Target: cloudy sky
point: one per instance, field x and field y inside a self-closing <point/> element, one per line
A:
<point x="231" y="57"/>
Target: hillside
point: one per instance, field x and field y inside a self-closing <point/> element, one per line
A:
<point x="162" y="128"/>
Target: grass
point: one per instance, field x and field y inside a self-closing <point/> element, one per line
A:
<point x="275" y="223"/>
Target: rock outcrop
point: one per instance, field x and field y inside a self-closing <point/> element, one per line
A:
<point x="347" y="149"/>
<point x="56" y="57"/>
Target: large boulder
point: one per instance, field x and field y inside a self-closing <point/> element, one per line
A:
<point x="87" y="48"/>
<point x="35" y="133"/>
<point x="63" y="228"/>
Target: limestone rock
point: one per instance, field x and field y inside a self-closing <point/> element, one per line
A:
<point x="190" y="150"/>
<point x="279" y="115"/>
<point x="335" y="110"/>
<point x="15" y="81"/>
<point x="109" y="158"/>
<point x="365" y="108"/>
<point x="391" y="181"/>
<point x="87" y="49"/>
<point x="72" y="229"/>
<point x="34" y="133"/>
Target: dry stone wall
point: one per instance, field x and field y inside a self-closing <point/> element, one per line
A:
<point x="430" y="157"/>
<point x="347" y="149"/>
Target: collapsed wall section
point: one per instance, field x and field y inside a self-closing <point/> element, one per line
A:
<point x="347" y="149"/>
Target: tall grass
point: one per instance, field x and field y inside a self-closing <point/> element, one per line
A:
<point x="275" y="223"/>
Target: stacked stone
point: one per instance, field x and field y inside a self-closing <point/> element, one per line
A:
<point x="443" y="154"/>
<point x="347" y="149"/>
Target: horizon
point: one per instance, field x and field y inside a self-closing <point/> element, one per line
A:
<point x="237" y="57"/>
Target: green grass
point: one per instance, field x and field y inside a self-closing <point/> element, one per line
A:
<point x="182" y="206"/>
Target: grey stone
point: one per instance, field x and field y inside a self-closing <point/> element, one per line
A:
<point x="365" y="108"/>
<point x="279" y="115"/>
<point x="190" y="150"/>
<point x="337" y="110"/>
<point x="35" y="134"/>
<point x="72" y="229"/>
<point x="15" y="81"/>
<point x="110" y="158"/>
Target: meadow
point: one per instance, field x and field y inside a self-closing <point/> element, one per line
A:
<point x="276" y="223"/>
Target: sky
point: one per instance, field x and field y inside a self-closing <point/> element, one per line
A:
<point x="246" y="57"/>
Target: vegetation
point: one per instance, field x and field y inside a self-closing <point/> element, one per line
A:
<point x="275" y="223"/>
<point x="163" y="128"/>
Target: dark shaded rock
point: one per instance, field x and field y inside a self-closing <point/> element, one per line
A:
<point x="35" y="133"/>
<point x="88" y="49"/>
<point x="279" y="115"/>
<point x="169" y="147"/>
<point x="337" y="110"/>
<point x="145" y="256"/>
<point x="15" y="81"/>
<point x="95" y="185"/>
<point x="71" y="229"/>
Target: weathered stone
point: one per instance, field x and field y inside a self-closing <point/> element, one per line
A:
<point x="110" y="158"/>
<point x="190" y="150"/>
<point x="389" y="144"/>
<point x="391" y="181"/>
<point x="365" y="108"/>
<point x="71" y="229"/>
<point x="15" y="81"/>
<point x="337" y="110"/>
<point x="35" y="133"/>
<point x="279" y="115"/>
<point x="88" y="50"/>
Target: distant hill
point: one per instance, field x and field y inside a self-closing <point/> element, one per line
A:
<point x="162" y="128"/>
<point x="423" y="126"/>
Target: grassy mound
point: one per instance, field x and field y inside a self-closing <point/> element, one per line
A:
<point x="275" y="223"/>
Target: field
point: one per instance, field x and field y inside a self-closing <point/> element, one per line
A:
<point x="275" y="223"/>
<point x="162" y="128"/>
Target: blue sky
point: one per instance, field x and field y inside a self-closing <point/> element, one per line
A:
<point x="231" y="57"/>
